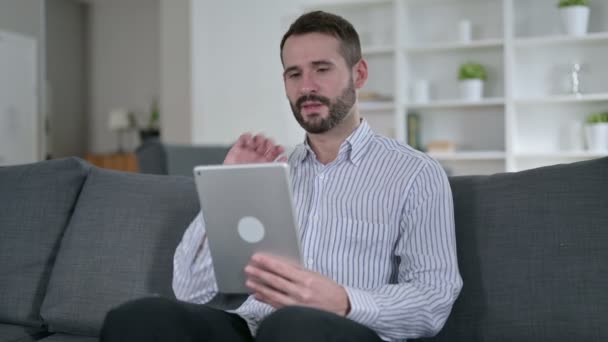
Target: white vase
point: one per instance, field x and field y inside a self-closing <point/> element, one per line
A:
<point x="596" y="136"/>
<point x="465" y="31"/>
<point x="421" y="91"/>
<point x="575" y="19"/>
<point x="471" y="90"/>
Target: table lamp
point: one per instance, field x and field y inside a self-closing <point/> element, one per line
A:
<point x="119" y="122"/>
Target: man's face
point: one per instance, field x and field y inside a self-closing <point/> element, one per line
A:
<point x="318" y="83"/>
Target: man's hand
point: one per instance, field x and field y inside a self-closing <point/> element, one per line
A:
<point x="254" y="149"/>
<point x="280" y="283"/>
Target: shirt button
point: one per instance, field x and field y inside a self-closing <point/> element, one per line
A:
<point x="321" y="176"/>
<point x="309" y="262"/>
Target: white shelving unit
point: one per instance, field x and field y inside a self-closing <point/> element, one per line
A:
<point x="527" y="118"/>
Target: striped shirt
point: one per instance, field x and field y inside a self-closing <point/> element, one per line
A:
<point x="378" y="220"/>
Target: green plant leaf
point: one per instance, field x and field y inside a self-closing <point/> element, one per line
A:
<point x="472" y="71"/>
<point x="568" y="3"/>
<point x="598" y="118"/>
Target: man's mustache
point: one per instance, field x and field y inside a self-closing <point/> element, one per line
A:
<point x="312" y="97"/>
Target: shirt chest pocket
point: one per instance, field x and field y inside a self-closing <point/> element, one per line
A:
<point x="359" y="238"/>
<point x="359" y="247"/>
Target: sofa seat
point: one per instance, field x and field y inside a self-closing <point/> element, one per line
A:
<point x="17" y="333"/>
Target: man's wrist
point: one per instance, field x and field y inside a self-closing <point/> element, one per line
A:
<point x="347" y="310"/>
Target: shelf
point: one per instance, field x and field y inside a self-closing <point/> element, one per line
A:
<point x="558" y="40"/>
<point x="479" y="44"/>
<point x="376" y="106"/>
<point x="469" y="155"/>
<point x="563" y="99"/>
<point x="458" y="104"/>
<point x="562" y="154"/>
<point x="350" y="4"/>
<point x="378" y="50"/>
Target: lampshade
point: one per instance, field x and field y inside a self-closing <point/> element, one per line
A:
<point x="119" y="119"/>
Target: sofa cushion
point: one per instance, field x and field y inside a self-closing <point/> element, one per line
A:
<point x="118" y="246"/>
<point x="533" y="254"/>
<point x="19" y="333"/>
<point x="69" y="338"/>
<point x="36" y="203"/>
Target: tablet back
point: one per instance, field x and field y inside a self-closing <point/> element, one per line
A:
<point x="247" y="208"/>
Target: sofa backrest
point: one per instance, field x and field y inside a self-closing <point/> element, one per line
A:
<point x="36" y="202"/>
<point x="156" y="157"/>
<point x="533" y="254"/>
<point x="118" y="246"/>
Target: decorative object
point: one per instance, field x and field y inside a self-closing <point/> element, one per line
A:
<point x="152" y="130"/>
<point x="465" y="31"/>
<point x="372" y="96"/>
<point x="596" y="132"/>
<point x="471" y="76"/>
<point x="413" y="131"/>
<point x="441" y="146"/>
<point x="119" y="121"/>
<point x="575" y="16"/>
<point x="575" y="79"/>
<point x="421" y="91"/>
<point x="572" y="136"/>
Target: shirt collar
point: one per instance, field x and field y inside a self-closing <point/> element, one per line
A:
<point x="355" y="145"/>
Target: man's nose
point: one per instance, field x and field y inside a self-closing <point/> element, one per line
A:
<point x="309" y="85"/>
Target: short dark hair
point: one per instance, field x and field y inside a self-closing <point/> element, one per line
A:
<point x="330" y="24"/>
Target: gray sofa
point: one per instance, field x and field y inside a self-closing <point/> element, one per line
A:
<point x="76" y="240"/>
<point x="156" y="157"/>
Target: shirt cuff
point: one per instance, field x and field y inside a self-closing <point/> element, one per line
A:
<point x="363" y="307"/>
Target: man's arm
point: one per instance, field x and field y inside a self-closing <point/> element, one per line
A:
<point x="428" y="278"/>
<point x="193" y="275"/>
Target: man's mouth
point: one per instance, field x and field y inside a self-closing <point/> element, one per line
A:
<point x="311" y="106"/>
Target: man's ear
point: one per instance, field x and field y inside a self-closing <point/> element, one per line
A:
<point x="360" y="72"/>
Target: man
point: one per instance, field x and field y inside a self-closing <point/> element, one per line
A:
<point x="375" y="218"/>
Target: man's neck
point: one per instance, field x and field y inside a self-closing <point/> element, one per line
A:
<point x="327" y="145"/>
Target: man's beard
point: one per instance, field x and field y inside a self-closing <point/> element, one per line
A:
<point x="338" y="110"/>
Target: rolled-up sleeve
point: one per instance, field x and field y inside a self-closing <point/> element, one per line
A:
<point x="193" y="275"/>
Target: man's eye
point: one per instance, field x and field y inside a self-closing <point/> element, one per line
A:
<point x="294" y="75"/>
<point x="322" y="70"/>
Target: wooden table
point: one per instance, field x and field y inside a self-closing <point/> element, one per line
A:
<point x="114" y="161"/>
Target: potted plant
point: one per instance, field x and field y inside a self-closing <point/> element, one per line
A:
<point x="152" y="130"/>
<point x="471" y="76"/>
<point x="575" y="16"/>
<point x="596" y="132"/>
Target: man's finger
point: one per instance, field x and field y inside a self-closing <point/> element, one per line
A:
<point x="272" y="280"/>
<point x="269" y="153"/>
<point x="242" y="140"/>
<point x="275" y="152"/>
<point x="284" y="269"/>
<point x="249" y="141"/>
<point x="268" y="148"/>
<point x="261" y="142"/>
<point x="270" y="295"/>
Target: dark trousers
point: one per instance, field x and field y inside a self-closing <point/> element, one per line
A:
<point x="160" y="319"/>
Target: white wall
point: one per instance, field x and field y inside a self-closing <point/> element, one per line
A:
<point x="66" y="77"/>
<point x="175" y="72"/>
<point x="237" y="84"/>
<point x="124" y="64"/>
<point x="27" y="17"/>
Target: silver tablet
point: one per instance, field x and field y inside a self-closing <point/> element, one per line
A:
<point x="247" y="208"/>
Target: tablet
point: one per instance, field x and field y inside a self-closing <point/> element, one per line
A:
<point x="247" y="208"/>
